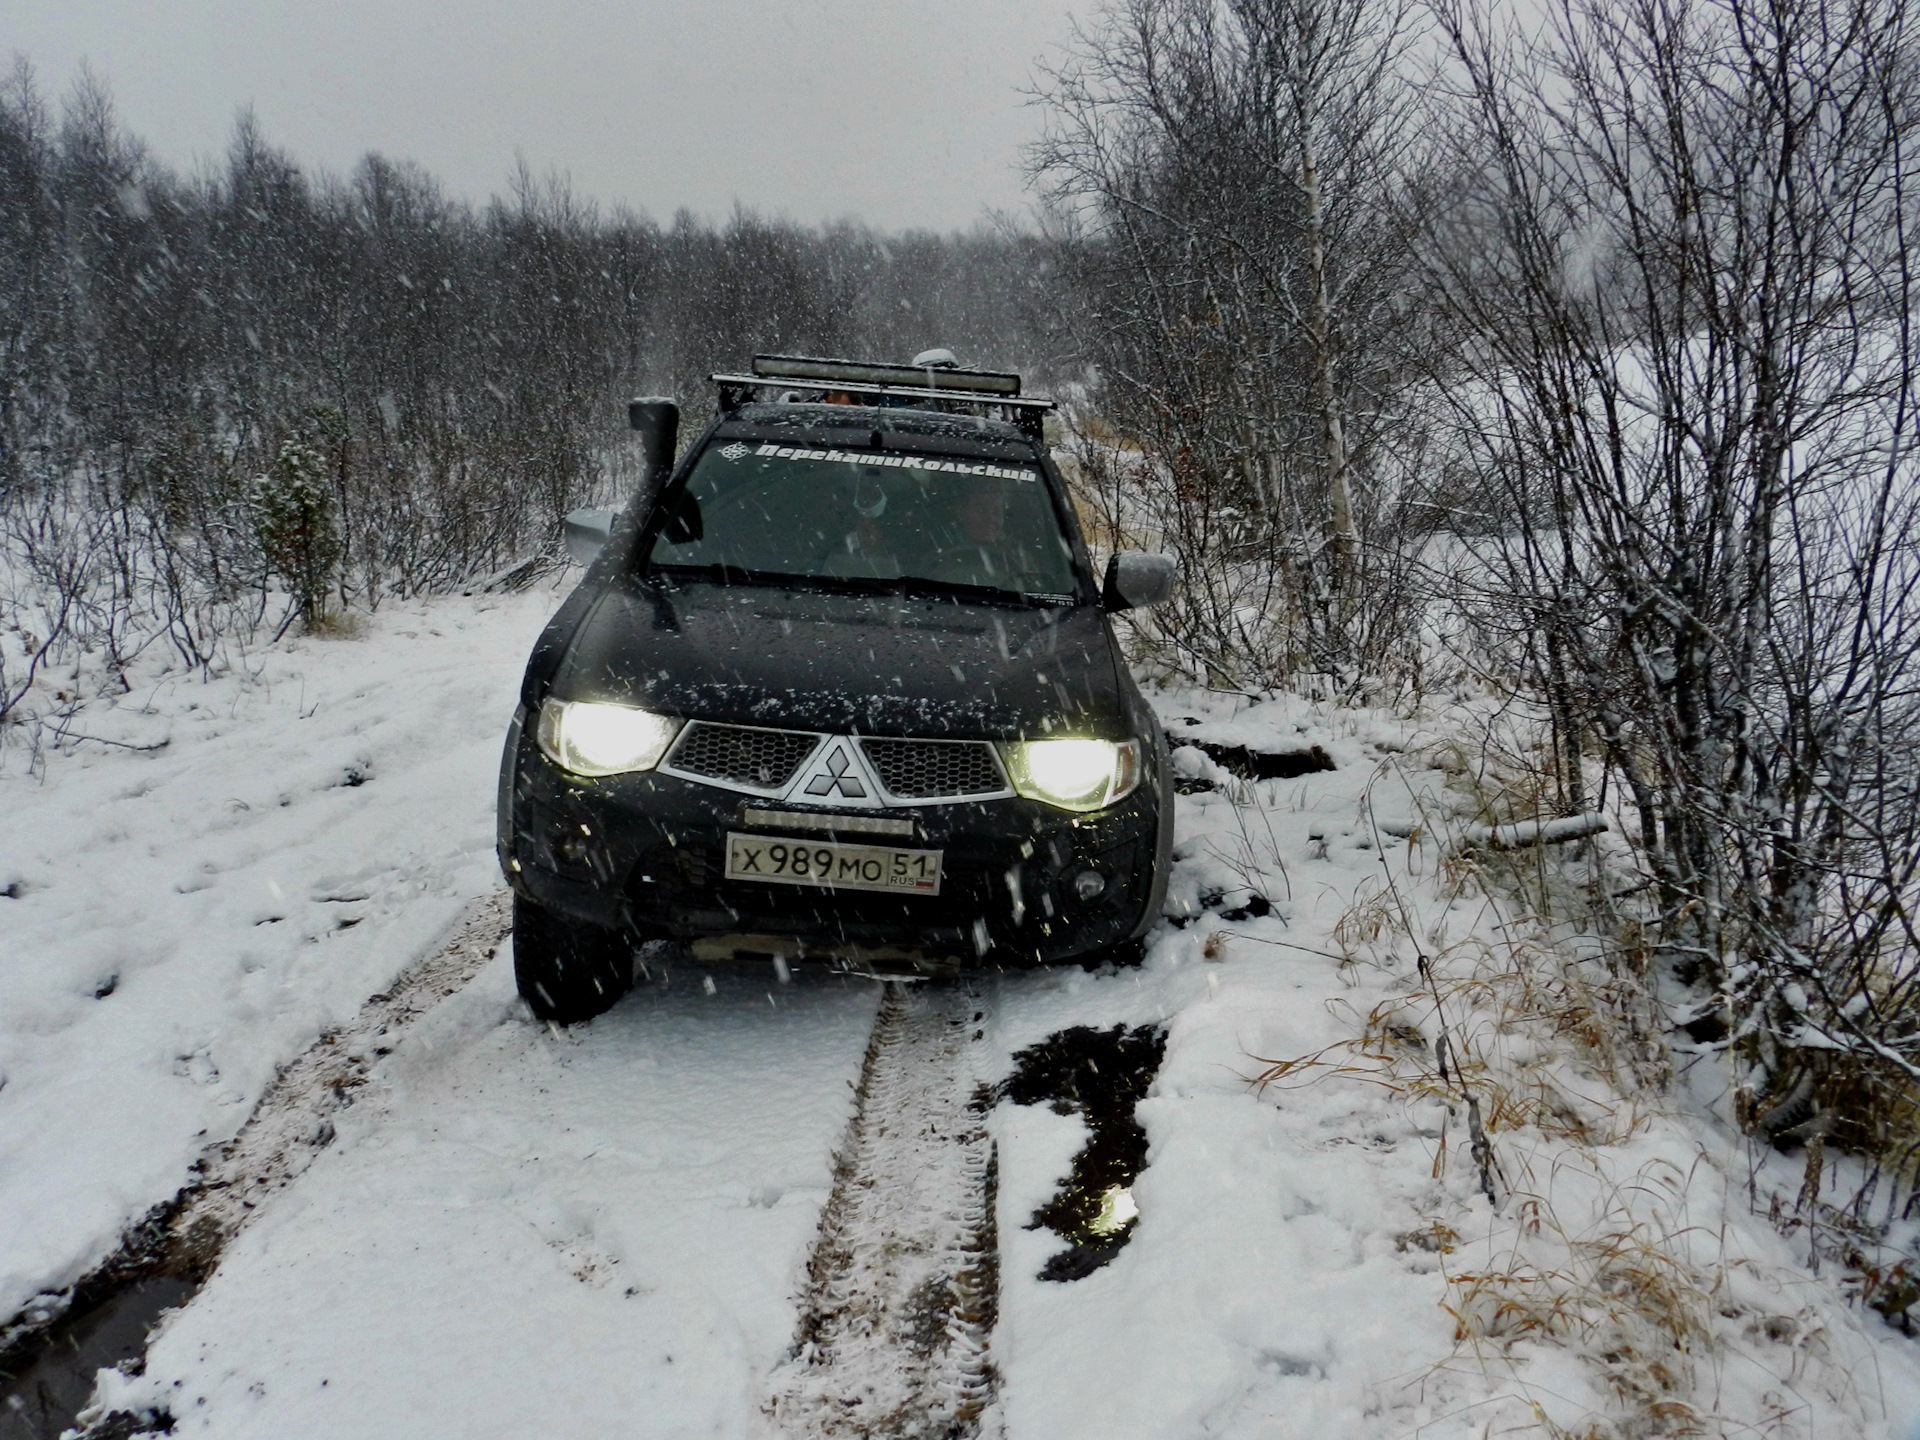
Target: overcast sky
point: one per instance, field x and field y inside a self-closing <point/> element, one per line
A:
<point x="901" y="112"/>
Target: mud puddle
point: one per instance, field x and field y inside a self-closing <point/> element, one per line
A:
<point x="1250" y="764"/>
<point x="50" y="1354"/>
<point x="43" y="1399"/>
<point x="1100" y="1075"/>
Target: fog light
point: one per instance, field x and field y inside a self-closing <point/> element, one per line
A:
<point x="1089" y="884"/>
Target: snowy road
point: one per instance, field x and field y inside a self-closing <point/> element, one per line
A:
<point x="529" y="1234"/>
<point x="903" y="1284"/>
<point x="179" y="920"/>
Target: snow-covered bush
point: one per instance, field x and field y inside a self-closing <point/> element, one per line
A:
<point x="293" y="516"/>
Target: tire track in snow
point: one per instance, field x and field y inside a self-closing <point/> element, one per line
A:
<point x="903" y="1286"/>
<point x="293" y="1121"/>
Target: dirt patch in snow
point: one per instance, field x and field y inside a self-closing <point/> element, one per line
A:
<point x="903" y="1287"/>
<point x="1248" y="763"/>
<point x="106" y="1324"/>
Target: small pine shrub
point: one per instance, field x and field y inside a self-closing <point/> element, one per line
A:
<point x="293" y="517"/>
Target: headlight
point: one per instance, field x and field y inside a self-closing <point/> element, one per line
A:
<point x="593" y="739"/>
<point x="1074" y="774"/>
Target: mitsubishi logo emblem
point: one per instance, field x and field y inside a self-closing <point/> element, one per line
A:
<point x="835" y="778"/>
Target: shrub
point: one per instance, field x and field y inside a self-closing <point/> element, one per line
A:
<point x="293" y="517"/>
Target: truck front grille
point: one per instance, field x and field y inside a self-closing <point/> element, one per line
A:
<point x="935" y="769"/>
<point x="742" y="754"/>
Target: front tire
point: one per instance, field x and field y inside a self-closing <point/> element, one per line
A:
<point x="567" y="970"/>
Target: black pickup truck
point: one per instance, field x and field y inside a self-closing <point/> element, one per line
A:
<point x="840" y="683"/>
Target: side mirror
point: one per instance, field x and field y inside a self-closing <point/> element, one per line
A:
<point x="1135" y="581"/>
<point x="657" y="419"/>
<point x="587" y="532"/>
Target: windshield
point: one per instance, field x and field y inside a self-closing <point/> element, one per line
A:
<point x="772" y="510"/>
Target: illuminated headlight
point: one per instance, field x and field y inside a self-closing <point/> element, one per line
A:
<point x="1074" y="774"/>
<point x="593" y="739"/>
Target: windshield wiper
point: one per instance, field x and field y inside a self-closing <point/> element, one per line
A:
<point x="914" y="587"/>
<point x="918" y="587"/>
<point x="719" y="574"/>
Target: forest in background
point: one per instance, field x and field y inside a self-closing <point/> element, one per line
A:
<point x="267" y="386"/>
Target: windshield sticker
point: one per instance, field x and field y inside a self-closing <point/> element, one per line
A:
<point x="738" y="451"/>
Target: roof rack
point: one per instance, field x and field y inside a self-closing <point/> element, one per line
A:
<point x="997" y="388"/>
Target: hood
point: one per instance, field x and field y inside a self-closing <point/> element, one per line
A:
<point x="848" y="663"/>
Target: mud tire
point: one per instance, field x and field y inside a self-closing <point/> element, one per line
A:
<point x="567" y="970"/>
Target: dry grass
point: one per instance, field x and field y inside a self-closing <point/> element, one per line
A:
<point x="1539" y="987"/>
<point x="1618" y="1292"/>
<point x="338" y="624"/>
<point x="1535" y="1041"/>
<point x="1819" y="1103"/>
<point x="1373" y="916"/>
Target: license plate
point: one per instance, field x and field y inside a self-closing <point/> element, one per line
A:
<point x="835" y="866"/>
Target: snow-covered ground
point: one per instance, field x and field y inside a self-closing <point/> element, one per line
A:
<point x="182" y="920"/>
<point x="522" y="1232"/>
<point x="530" y="1235"/>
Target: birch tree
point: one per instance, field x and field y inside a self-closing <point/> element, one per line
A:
<point x="1232" y="176"/>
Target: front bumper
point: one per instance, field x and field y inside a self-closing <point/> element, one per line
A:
<point x="646" y="852"/>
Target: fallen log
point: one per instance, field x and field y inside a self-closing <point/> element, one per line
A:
<point x="1521" y="833"/>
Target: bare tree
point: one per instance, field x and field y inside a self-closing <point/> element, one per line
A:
<point x="1229" y="178"/>
<point x="1686" y="276"/>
